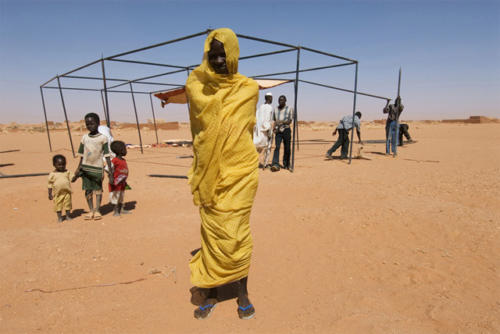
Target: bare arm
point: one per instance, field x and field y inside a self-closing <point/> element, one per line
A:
<point x="50" y="194"/>
<point x="77" y="170"/>
<point x="386" y="108"/>
<point x="358" y="133"/>
<point x="110" y="168"/>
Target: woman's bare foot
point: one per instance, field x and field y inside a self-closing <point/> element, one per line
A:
<point x="205" y="309"/>
<point x="245" y="308"/>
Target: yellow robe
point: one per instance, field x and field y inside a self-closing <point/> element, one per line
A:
<point x="224" y="174"/>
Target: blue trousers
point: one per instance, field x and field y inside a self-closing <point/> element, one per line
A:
<point x="392" y="138"/>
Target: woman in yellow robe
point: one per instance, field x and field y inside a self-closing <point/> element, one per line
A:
<point x="224" y="174"/>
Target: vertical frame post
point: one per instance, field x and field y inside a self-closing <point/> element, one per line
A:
<point x="136" y="117"/>
<point x="154" y="118"/>
<point x="65" y="116"/>
<point x="353" y="110"/>
<point x="106" y="108"/>
<point x="295" y="125"/>
<point x="45" y="115"/>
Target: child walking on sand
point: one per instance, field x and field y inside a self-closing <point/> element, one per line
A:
<point x="93" y="147"/>
<point x="117" y="188"/>
<point x="60" y="187"/>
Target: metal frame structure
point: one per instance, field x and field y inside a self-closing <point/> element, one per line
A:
<point x="178" y="69"/>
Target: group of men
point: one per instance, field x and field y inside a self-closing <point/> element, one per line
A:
<point x="276" y="122"/>
<point x="273" y="122"/>
<point x="394" y="130"/>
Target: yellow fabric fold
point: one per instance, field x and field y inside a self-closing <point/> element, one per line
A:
<point x="224" y="173"/>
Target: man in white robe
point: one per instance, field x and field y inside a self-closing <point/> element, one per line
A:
<point x="262" y="134"/>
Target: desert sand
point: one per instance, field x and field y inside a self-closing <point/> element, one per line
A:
<point x="385" y="245"/>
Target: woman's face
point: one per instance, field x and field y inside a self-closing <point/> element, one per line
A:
<point x="217" y="57"/>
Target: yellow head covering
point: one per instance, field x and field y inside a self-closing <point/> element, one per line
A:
<point x="222" y="114"/>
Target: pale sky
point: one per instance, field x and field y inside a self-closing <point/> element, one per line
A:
<point x="449" y="52"/>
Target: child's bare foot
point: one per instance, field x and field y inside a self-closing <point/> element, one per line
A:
<point x="245" y="308"/>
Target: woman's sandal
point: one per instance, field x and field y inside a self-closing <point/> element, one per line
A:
<point x="246" y="312"/>
<point x="203" y="312"/>
<point x="97" y="215"/>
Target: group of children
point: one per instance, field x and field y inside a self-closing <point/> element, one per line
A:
<point x="93" y="151"/>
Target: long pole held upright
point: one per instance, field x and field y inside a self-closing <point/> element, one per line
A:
<point x="397" y="114"/>
<point x="65" y="116"/>
<point x="399" y="81"/>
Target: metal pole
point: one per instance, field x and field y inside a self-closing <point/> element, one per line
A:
<point x="353" y="111"/>
<point x="295" y="108"/>
<point x="46" y="121"/>
<point x="108" y="121"/>
<point x="136" y="118"/>
<point x="154" y="118"/>
<point x="104" y="108"/>
<point x="187" y="102"/>
<point x="397" y="117"/>
<point x="65" y="116"/>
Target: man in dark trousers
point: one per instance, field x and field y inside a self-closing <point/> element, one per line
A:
<point x="403" y="130"/>
<point x="282" y="117"/>
<point x="345" y="125"/>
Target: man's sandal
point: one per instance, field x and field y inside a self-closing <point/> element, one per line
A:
<point x="203" y="312"/>
<point x="246" y="312"/>
<point x="97" y="215"/>
<point x="89" y="216"/>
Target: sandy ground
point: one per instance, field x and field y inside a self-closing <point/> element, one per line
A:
<point x="405" y="245"/>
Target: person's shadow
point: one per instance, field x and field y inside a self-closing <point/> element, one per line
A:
<point x="224" y="292"/>
<point x="108" y="208"/>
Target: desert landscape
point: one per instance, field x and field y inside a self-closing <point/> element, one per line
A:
<point x="383" y="245"/>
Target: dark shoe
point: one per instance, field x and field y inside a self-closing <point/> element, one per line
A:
<point x="343" y="157"/>
<point x="328" y="156"/>
<point x="275" y="168"/>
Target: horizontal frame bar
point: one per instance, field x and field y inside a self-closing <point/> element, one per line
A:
<point x="146" y="63"/>
<point x="304" y="70"/>
<point x="267" y="54"/>
<point x="148" y="77"/>
<point x="159" y="44"/>
<point x="94" y="90"/>
<point x="327" y="54"/>
<point x="343" y="89"/>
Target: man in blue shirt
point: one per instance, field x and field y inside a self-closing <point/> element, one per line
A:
<point x="345" y="125"/>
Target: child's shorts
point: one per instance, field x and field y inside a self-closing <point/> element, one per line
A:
<point x="116" y="196"/>
<point x="62" y="202"/>
<point x="92" y="180"/>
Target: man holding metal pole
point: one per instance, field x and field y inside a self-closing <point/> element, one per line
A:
<point x="391" y="127"/>
<point x="392" y="124"/>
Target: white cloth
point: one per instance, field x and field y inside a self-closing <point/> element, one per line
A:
<point x="262" y="131"/>
<point x="104" y="130"/>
